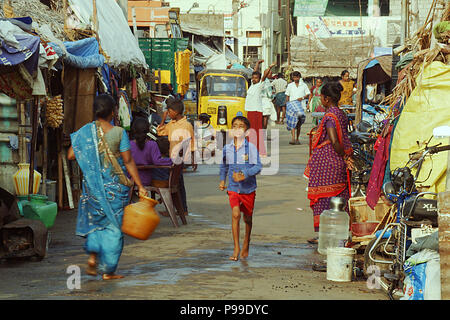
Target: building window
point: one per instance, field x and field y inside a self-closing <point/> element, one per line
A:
<point x="254" y="34"/>
<point x="252" y="54"/>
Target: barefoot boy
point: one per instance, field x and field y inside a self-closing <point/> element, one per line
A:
<point x="241" y="163"/>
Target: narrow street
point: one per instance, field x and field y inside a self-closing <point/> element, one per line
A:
<point x="191" y="262"/>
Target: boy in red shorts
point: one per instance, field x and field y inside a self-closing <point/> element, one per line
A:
<point x="241" y="163"/>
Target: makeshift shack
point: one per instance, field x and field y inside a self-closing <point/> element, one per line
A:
<point x="372" y="71"/>
<point x="54" y="61"/>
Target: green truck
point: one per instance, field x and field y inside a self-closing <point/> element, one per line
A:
<point x="160" y="54"/>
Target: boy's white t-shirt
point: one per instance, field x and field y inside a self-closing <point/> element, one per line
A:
<point x="253" y="101"/>
<point x="295" y="92"/>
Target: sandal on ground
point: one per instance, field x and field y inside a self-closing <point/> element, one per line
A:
<point x="290" y="142"/>
<point x="106" y="276"/>
<point x="313" y="240"/>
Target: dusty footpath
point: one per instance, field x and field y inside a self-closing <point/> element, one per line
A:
<point x="191" y="262"/>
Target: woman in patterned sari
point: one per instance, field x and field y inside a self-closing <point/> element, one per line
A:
<point x="327" y="168"/>
<point x="103" y="153"/>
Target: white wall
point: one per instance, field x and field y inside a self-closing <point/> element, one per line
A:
<point x="218" y="6"/>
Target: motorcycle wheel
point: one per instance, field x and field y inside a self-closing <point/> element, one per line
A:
<point x="379" y="255"/>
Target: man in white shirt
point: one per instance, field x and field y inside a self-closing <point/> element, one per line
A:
<point x="297" y="92"/>
<point x="279" y="101"/>
<point x="254" y="106"/>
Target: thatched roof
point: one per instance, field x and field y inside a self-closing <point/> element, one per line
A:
<point x="328" y="57"/>
<point x="40" y="13"/>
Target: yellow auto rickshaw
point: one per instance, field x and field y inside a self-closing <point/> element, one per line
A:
<point x="221" y="95"/>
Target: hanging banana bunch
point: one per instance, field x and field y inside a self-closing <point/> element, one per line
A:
<point x="54" y="112"/>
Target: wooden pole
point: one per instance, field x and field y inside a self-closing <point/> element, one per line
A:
<point x="95" y="21"/>
<point x="65" y="13"/>
<point x="404" y="21"/>
<point x="22" y="132"/>
<point x="288" y="30"/>
<point x="444" y="242"/>
<point x="67" y="179"/>
<point x="44" y="158"/>
<point x="60" y="169"/>
<point x="34" y="124"/>
<point x="133" y="13"/>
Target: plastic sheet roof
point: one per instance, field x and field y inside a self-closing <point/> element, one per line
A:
<point x="115" y="36"/>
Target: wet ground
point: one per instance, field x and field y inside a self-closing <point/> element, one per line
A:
<point x="191" y="262"/>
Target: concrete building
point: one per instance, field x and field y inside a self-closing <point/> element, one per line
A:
<point x="258" y="26"/>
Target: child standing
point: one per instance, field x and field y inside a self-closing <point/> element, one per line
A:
<point x="241" y="163"/>
<point x="178" y="130"/>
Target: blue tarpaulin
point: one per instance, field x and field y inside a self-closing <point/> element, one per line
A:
<point x="371" y="64"/>
<point x="81" y="54"/>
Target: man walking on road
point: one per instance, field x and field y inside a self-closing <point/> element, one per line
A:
<point x="280" y="86"/>
<point x="297" y="93"/>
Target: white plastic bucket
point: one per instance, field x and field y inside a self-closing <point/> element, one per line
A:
<point x="340" y="264"/>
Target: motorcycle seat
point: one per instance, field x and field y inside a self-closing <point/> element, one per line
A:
<point x="424" y="209"/>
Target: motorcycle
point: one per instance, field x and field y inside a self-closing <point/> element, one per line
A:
<point x="412" y="211"/>
<point x="363" y="139"/>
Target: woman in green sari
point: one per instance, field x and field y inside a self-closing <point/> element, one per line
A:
<point x="314" y="104"/>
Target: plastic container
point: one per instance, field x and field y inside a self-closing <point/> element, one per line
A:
<point x="334" y="226"/>
<point x="39" y="208"/>
<point x="340" y="264"/>
<point x="140" y="218"/>
<point x="21" y="180"/>
<point x="50" y="190"/>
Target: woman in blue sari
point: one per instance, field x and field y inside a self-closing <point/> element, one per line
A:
<point x="103" y="154"/>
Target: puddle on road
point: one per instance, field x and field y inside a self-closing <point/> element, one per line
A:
<point x="262" y="255"/>
<point x="281" y="169"/>
<point x="200" y="218"/>
<point x="283" y="255"/>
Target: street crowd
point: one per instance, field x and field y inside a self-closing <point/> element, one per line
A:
<point x="109" y="160"/>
